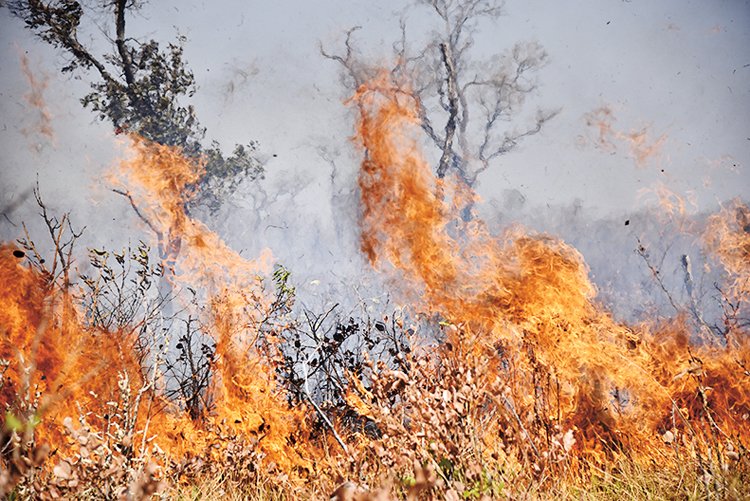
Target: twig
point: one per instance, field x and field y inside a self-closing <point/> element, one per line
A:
<point x="320" y="411"/>
<point x="509" y="405"/>
<point x="641" y="250"/>
<point x="137" y="211"/>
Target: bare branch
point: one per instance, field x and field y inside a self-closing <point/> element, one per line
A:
<point x="320" y="412"/>
<point x="449" y="87"/>
<point x="427" y="125"/>
<point x="347" y="61"/>
<point x="450" y="126"/>
<point x="511" y="140"/>
<point x="137" y="211"/>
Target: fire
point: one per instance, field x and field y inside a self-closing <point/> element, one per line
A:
<point x="161" y="181"/>
<point x="244" y="388"/>
<point x="35" y="98"/>
<point x="55" y="364"/>
<point x="641" y="147"/>
<point x="728" y="237"/>
<point x="529" y="369"/>
<point x="530" y="294"/>
<point x="74" y="367"/>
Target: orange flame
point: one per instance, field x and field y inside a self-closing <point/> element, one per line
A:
<point x="518" y="306"/>
<point x="162" y="181"/>
<point x="523" y="293"/>
<point x="244" y="388"/>
<point x="51" y="354"/>
<point x="35" y="98"/>
<point x="76" y="366"/>
<point x="641" y="147"/>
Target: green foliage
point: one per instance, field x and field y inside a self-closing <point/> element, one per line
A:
<point x="12" y="423"/>
<point x="408" y="481"/>
<point x="447" y="468"/>
<point x="116" y="295"/>
<point x="225" y="173"/>
<point x="16" y="424"/>
<point x="486" y="485"/>
<point x="284" y="291"/>
<point x="150" y="103"/>
<point x="140" y="87"/>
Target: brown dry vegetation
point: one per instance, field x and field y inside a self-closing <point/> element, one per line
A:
<point x="504" y="379"/>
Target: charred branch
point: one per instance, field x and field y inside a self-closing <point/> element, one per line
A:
<point x="451" y="108"/>
<point x="137" y="210"/>
<point x="122" y="48"/>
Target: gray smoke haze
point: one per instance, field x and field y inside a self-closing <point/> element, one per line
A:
<point x="671" y="76"/>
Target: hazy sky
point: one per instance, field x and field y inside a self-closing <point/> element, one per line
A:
<point x="677" y="72"/>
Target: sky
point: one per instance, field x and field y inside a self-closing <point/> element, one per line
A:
<point x="673" y="75"/>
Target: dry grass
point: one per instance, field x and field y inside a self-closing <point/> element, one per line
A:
<point x="468" y="417"/>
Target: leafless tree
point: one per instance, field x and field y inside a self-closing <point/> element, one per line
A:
<point x="468" y="108"/>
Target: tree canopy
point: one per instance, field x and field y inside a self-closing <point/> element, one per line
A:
<point x="140" y="87"/>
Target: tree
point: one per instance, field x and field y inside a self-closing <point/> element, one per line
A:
<point x="467" y="108"/>
<point x="139" y="87"/>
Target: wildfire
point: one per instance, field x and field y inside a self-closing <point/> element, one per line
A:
<point x="638" y="142"/>
<point x="161" y="181"/>
<point x="530" y="294"/>
<point x="528" y="367"/>
<point x="54" y="354"/>
<point x="56" y="360"/>
<point x="35" y="98"/>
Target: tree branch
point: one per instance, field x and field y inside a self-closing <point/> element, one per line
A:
<point x="137" y="211"/>
<point x="347" y="60"/>
<point x="61" y="24"/>
<point x="450" y="126"/>
<point x="122" y="48"/>
<point x="320" y="412"/>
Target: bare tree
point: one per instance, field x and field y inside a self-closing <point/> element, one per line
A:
<point x="468" y="108"/>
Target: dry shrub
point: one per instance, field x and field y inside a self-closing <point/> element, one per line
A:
<point x="477" y="414"/>
<point x="448" y="423"/>
<point x="99" y="460"/>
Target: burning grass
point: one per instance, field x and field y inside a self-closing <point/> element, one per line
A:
<point x="511" y="382"/>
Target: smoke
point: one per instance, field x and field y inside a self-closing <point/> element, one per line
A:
<point x="37" y="86"/>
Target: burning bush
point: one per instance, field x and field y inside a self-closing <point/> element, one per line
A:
<point x="510" y="379"/>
